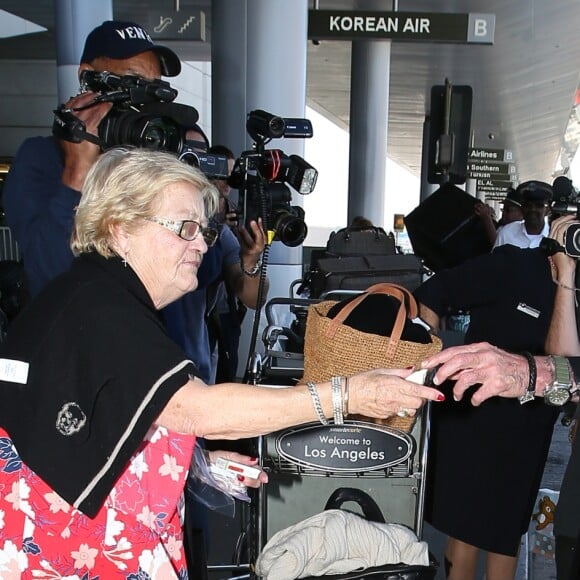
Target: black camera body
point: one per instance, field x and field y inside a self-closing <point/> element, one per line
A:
<point x="143" y="115"/>
<point x="262" y="177"/>
<point x="272" y="202"/>
<point x="567" y="202"/>
<point x="213" y="166"/>
<point x="572" y="240"/>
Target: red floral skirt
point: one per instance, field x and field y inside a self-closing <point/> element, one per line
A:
<point x="137" y="534"/>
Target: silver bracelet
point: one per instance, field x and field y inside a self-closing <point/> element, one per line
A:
<point x="336" y="387"/>
<point x="345" y="399"/>
<point x="254" y="271"/>
<point x="316" y="402"/>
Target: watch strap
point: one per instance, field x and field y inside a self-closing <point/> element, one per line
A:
<point x="562" y="373"/>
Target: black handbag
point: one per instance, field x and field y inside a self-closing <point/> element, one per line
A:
<point x="356" y="241"/>
<point x="372" y="512"/>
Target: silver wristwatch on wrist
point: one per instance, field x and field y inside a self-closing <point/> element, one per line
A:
<point x="559" y="392"/>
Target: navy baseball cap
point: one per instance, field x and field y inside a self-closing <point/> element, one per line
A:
<point x="120" y="40"/>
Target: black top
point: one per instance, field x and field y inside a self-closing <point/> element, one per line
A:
<point x="495" y="452"/>
<point x="509" y="294"/>
<point x="100" y="370"/>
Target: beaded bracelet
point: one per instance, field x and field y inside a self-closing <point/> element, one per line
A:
<point x="530" y="393"/>
<point x="316" y="402"/>
<point x="336" y="387"/>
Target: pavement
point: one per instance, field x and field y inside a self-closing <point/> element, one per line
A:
<point x="224" y="531"/>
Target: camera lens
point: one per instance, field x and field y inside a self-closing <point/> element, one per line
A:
<point x="190" y="158"/>
<point x="290" y="230"/>
<point x="145" y="130"/>
<point x="160" y="133"/>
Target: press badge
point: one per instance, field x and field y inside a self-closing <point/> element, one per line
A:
<point x="523" y="307"/>
<point x="13" y="371"/>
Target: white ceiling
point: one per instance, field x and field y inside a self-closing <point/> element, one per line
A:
<point x="524" y="85"/>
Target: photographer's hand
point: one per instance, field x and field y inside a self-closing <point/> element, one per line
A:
<point x="563" y="265"/>
<point x="252" y="244"/>
<point x="244" y="278"/>
<point x="80" y="157"/>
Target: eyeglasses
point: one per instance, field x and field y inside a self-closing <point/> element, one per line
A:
<point x="187" y="230"/>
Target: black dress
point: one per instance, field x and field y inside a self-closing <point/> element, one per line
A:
<point x="486" y="462"/>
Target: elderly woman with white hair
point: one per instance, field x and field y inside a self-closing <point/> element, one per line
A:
<point x="100" y="409"/>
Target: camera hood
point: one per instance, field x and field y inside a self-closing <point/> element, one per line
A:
<point x="185" y="115"/>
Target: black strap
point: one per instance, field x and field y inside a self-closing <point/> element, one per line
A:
<point x="368" y="505"/>
<point x="533" y="373"/>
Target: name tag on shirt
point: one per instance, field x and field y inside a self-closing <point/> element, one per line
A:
<point x="13" y="371"/>
<point x="522" y="307"/>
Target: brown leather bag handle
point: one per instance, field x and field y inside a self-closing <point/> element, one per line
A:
<point x="392" y="290"/>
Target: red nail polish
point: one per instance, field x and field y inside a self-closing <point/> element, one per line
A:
<point x="410" y="367"/>
<point x="253" y="458"/>
<point x="440" y="397"/>
<point x="240" y="478"/>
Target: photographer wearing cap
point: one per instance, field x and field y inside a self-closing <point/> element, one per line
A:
<point x="536" y="197"/>
<point x="43" y="187"/>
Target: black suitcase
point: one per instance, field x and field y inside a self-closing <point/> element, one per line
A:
<point x="372" y="512"/>
<point x="360" y="272"/>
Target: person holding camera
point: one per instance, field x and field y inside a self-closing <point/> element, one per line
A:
<point x="43" y="186"/>
<point x="482" y="372"/>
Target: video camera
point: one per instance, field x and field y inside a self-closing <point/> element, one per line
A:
<point x="262" y="177"/>
<point x="143" y="115"/>
<point x="566" y="201"/>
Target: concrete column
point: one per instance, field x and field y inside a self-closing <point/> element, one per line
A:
<point x="369" y="115"/>
<point x="228" y="74"/>
<point x="74" y="20"/>
<point x="259" y="62"/>
<point x="369" y="112"/>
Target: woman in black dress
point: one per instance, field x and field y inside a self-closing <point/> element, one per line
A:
<point x="486" y="462"/>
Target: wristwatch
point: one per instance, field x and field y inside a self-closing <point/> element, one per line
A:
<point x="558" y="393"/>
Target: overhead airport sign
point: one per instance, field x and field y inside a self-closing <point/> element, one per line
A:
<point x="410" y="26"/>
<point x="183" y="25"/>
<point x="494" y="195"/>
<point x="498" y="167"/>
<point x="493" y="155"/>
<point x="492" y="175"/>
<point x="494" y="183"/>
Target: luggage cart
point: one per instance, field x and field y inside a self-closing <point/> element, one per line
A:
<point x="300" y="480"/>
<point x="306" y="464"/>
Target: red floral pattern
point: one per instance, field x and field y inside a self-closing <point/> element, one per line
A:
<point x="137" y="534"/>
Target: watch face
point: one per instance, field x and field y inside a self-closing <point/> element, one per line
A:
<point x="557" y="396"/>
